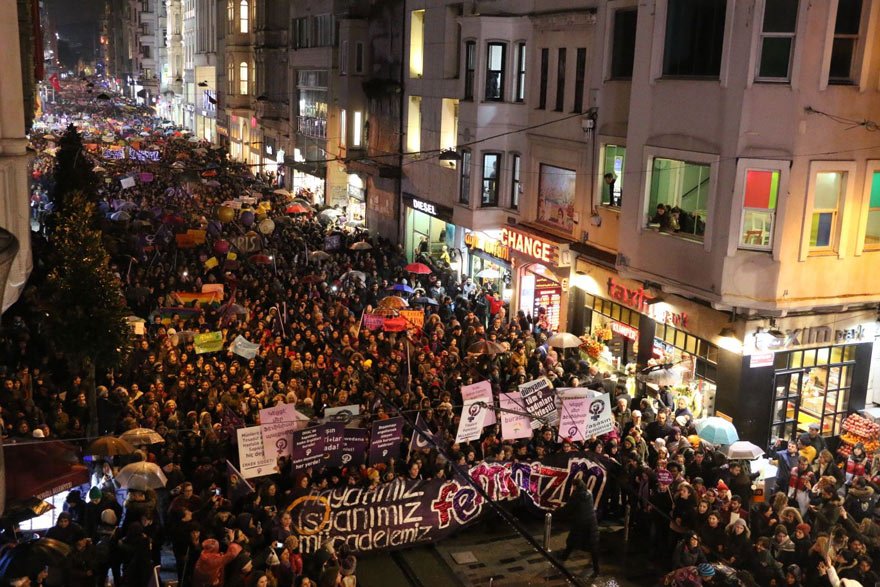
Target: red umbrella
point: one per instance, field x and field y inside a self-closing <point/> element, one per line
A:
<point x="419" y="268"/>
<point x="311" y="279"/>
<point x="261" y="259"/>
<point x="297" y="209"/>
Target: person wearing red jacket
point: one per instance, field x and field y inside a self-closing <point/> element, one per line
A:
<point x="211" y="564"/>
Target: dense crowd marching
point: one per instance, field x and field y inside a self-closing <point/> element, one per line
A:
<point x="691" y="512"/>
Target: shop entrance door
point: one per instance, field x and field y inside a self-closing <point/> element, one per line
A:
<point x="788" y="387"/>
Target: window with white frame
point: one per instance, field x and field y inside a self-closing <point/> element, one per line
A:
<point x="520" y="92"/>
<point x="470" y="69"/>
<point x="515" y="180"/>
<point x="776" y="47"/>
<point x="464" y="187"/>
<point x="496" y="56"/>
<point x="230" y="15"/>
<point x="760" y="194"/>
<point x="491" y="162"/>
<point x="872" y="228"/>
<point x="829" y="189"/>
<point x="678" y="196"/>
<point x="244" y="17"/>
<point x="845" y="48"/>
<point x="613" y="166"/>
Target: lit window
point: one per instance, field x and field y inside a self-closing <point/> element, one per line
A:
<point x="495" y="58"/>
<point x="679" y="196"/>
<point x="449" y="124"/>
<point x="613" y="165"/>
<point x="357" y="129"/>
<point x="759" y="209"/>
<point x="777" y="40"/>
<point x="490" y="179"/>
<point x="414" y="125"/>
<point x="230" y="13"/>
<point x="845" y="49"/>
<point x="828" y="192"/>
<point x="872" y="230"/>
<point x="243" y="17"/>
<point x="343" y="127"/>
<point x="417" y="44"/>
<point x="243" y="78"/>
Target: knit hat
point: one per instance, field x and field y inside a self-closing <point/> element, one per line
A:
<point x="722" y="486"/>
<point x="706" y="570"/>
<point x="739" y="522"/>
<point x="95" y="493"/>
<point x="109" y="518"/>
<point x="805" y="528"/>
<point x="630" y="440"/>
<point x="348" y="565"/>
<point x="780" y="529"/>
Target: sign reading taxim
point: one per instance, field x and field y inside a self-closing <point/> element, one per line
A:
<point x="404" y="512"/>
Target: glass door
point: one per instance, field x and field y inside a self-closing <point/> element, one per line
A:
<point x="787" y="387"/>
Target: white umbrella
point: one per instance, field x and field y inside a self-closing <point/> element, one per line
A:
<point x="743" y="450"/>
<point x="361" y="246"/>
<point x="142" y="436"/>
<point x="319" y="256"/>
<point x="141" y="476"/>
<point x="353" y="275"/>
<point x="564" y="340"/>
<point x="489" y="274"/>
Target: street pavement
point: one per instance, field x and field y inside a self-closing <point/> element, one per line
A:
<point x="502" y="558"/>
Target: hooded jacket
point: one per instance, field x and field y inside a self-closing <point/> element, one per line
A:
<point x="211" y="563"/>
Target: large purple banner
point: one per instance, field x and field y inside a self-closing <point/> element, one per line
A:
<point x="405" y="512"/>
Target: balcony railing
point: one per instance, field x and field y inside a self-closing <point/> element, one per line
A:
<point x="312" y="126"/>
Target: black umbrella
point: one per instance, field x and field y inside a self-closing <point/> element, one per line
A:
<point x="425" y="300"/>
<point x="22" y="511"/>
<point x="28" y="558"/>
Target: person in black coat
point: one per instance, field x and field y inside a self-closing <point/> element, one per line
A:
<point x="584" y="533"/>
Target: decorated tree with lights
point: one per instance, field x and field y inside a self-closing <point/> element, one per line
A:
<point x="73" y="171"/>
<point x="85" y="303"/>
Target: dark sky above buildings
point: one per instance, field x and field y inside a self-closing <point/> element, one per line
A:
<point x="77" y="26"/>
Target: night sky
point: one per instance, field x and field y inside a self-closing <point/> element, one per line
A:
<point x="77" y="23"/>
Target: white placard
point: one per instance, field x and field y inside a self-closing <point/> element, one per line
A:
<point x="513" y="426"/>
<point x="251" y="456"/>
<point x="482" y="390"/>
<point x="277" y="440"/>
<point x="284" y="413"/>
<point x="601" y="419"/>
<point x="473" y="417"/>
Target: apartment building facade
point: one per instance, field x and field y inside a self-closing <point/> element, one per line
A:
<point x="574" y="123"/>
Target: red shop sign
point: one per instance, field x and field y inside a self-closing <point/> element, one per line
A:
<point x="625" y="330"/>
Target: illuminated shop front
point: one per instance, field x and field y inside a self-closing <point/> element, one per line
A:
<point x="428" y="229"/>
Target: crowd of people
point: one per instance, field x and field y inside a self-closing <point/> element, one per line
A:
<point x="691" y="511"/>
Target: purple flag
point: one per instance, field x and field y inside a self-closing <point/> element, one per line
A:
<point x="354" y="446"/>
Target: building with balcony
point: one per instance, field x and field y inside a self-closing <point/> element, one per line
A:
<point x="239" y="120"/>
<point x="272" y="139"/>
<point x="148" y="41"/>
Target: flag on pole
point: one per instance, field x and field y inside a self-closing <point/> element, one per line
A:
<point x="238" y="485"/>
<point x="56" y="85"/>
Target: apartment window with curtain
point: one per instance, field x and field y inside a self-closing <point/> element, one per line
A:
<point x="414" y="125"/>
<point x="760" y="195"/>
<point x="470" y="69"/>
<point x="777" y="40"/>
<point x="357" y="129"/>
<point x="560" y="80"/>
<point x="545" y="67"/>
<point x="243" y="78"/>
<point x="496" y="56"/>
<point x="417" y="43"/>
<point x="489" y="192"/>
<point x="846" y="48"/>
<point x="872" y="229"/>
<point x="244" y="17"/>
<point x="520" y="92"/>
<point x="623" y="49"/>
<point x="515" y="180"/>
<point x="694" y="38"/>
<point x="828" y="192"/>
<point x="580" y="74"/>
<point x="464" y="186"/>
